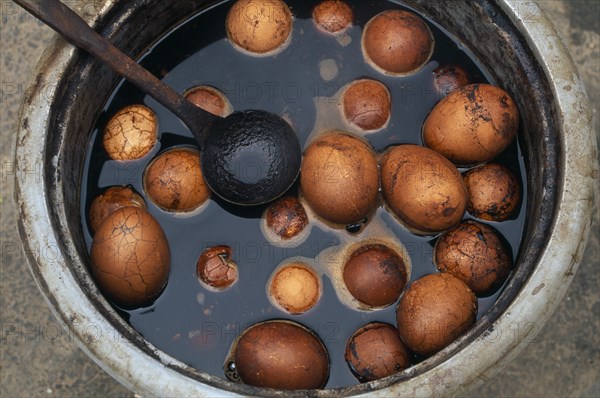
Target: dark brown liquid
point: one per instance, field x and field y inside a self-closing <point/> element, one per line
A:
<point x="195" y="325"/>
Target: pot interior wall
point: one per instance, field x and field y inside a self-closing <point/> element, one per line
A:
<point x="484" y="28"/>
<point x="135" y="25"/>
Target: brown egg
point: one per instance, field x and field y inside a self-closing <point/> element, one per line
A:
<point x="174" y="181"/>
<point x="259" y="26"/>
<point x="434" y="311"/>
<point x="375" y="351"/>
<point x="110" y="200"/>
<point x="494" y="192"/>
<point x="367" y="104"/>
<point x="375" y="275"/>
<point x="210" y="99"/>
<point x="286" y="217"/>
<point x="397" y="42"/>
<point x="472" y="125"/>
<point x="339" y="178"/>
<point x="447" y="78"/>
<point x="131" y="133"/>
<point x="216" y="269"/>
<point x="423" y="189"/>
<point x="475" y="254"/>
<point x="295" y="288"/>
<point x="279" y="354"/>
<point x="333" y="16"/>
<point x="130" y="257"/>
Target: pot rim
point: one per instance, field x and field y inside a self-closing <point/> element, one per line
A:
<point x="466" y="369"/>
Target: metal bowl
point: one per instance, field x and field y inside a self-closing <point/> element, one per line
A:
<point x="524" y="54"/>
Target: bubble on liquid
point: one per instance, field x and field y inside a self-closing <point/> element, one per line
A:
<point x="353" y="228"/>
<point x="231" y="371"/>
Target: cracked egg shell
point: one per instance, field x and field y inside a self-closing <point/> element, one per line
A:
<point x="339" y="178"/>
<point x="131" y="133"/>
<point x="375" y="351"/>
<point x="130" y="258"/>
<point x="286" y="217"/>
<point x="110" y="200"/>
<point x="423" y="189"/>
<point x="474" y="253"/>
<point x="397" y="42"/>
<point x="259" y="26"/>
<point x="174" y="181"/>
<point x="434" y="311"/>
<point x="333" y="16"/>
<point x="375" y="275"/>
<point x="472" y="124"/>
<point x="281" y="354"/>
<point x="494" y="192"/>
<point x="216" y="269"/>
<point x="367" y="104"/>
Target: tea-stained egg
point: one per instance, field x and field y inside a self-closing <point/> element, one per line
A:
<point x="423" y="189"/>
<point x="339" y="177"/>
<point x="280" y="354"/>
<point x="130" y="257"/>
<point x="472" y="124"/>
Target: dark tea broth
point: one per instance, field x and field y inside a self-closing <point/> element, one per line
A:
<point x="196" y="325"/>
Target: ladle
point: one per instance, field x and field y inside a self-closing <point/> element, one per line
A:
<point x="248" y="158"/>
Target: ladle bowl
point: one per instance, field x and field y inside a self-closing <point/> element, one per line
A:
<point x="253" y="157"/>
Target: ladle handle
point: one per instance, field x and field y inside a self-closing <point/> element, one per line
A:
<point x="67" y="23"/>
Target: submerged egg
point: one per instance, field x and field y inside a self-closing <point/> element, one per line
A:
<point x="280" y="354"/>
<point x="295" y="288"/>
<point x="216" y="269"/>
<point x="367" y="104"/>
<point x="174" y="181"/>
<point x="339" y="178"/>
<point x="375" y="351"/>
<point x="375" y="275"/>
<point x="472" y="125"/>
<point x="286" y="218"/>
<point x="423" y="189"/>
<point x="447" y="78"/>
<point x="130" y="257"/>
<point x="210" y="99"/>
<point x="333" y="16"/>
<point x="434" y="311"/>
<point x="494" y="192"/>
<point x="110" y="200"/>
<point x="474" y="253"/>
<point x="397" y="42"/>
<point x="259" y="26"/>
<point x="131" y="133"/>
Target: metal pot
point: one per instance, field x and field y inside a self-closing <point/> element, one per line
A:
<point x="519" y="47"/>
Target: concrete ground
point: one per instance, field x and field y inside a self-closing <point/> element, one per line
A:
<point x="38" y="359"/>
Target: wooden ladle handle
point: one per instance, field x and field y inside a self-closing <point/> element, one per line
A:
<point x="68" y="24"/>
